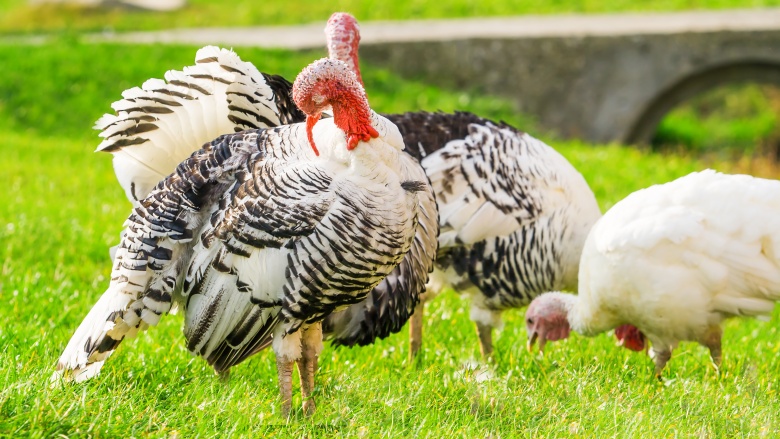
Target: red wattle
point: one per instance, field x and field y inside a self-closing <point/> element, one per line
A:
<point x="352" y="141"/>
<point x="630" y="337"/>
<point x="310" y="122"/>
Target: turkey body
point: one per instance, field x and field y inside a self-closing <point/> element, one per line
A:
<point x="513" y="214"/>
<point x="677" y="259"/>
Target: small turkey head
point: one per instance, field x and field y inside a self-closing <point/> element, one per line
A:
<point x="630" y="337"/>
<point x="546" y="319"/>
<point x="343" y="36"/>
<point x="331" y="83"/>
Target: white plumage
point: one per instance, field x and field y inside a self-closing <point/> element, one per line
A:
<point x="675" y="260"/>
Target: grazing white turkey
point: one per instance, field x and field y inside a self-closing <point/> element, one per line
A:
<point x="263" y="233"/>
<point x="513" y="214"/>
<point x="674" y="260"/>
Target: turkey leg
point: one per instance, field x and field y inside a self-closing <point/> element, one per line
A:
<point x="311" y="346"/>
<point x="712" y="339"/>
<point x="284" y="369"/>
<point x="661" y="357"/>
<point x="415" y="330"/>
<point x="485" y="333"/>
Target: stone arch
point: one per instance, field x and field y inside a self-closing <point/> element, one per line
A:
<point x="644" y="126"/>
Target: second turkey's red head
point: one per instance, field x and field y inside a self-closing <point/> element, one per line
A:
<point x="630" y="337"/>
<point x="331" y="83"/>
<point x="546" y="320"/>
<point x="343" y="36"/>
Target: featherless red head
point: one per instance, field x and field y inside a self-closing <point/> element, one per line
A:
<point x="331" y="83"/>
<point x="343" y="35"/>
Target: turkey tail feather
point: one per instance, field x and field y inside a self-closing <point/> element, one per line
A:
<point x="160" y="124"/>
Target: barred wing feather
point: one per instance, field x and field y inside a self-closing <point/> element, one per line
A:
<point x="157" y="237"/>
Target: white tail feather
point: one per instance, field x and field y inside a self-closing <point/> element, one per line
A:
<point x="163" y="122"/>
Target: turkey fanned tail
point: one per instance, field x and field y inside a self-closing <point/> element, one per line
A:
<point x="161" y="123"/>
<point x="147" y="266"/>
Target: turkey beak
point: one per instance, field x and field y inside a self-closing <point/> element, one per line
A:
<point x="531" y="341"/>
<point x="312" y="120"/>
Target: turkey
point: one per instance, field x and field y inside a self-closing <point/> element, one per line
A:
<point x="674" y="261"/>
<point x="261" y="234"/>
<point x="513" y="216"/>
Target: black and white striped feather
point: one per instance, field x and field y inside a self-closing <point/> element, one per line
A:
<point x="513" y="214"/>
<point x="390" y="304"/>
<point x="151" y="257"/>
<point x="262" y="237"/>
<point x="141" y="157"/>
<point x="161" y="123"/>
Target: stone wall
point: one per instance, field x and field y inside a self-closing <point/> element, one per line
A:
<point x="598" y="88"/>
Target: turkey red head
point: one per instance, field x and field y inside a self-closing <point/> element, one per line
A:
<point x="630" y="337"/>
<point x="343" y="36"/>
<point x="546" y="320"/>
<point x="330" y="83"/>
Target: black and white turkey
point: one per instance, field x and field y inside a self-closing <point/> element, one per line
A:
<point x="513" y="215"/>
<point x="263" y="233"/>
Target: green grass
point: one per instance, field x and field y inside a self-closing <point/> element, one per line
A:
<point x="19" y="16"/>
<point x="61" y="208"/>
<point x="733" y="119"/>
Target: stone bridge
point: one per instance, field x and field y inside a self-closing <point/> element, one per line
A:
<point x="600" y="78"/>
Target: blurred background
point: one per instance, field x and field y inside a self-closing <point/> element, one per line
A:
<point x="730" y="118"/>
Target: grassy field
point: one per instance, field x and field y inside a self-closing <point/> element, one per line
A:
<point x="20" y="16"/>
<point x="62" y="208"/>
<point x="730" y="120"/>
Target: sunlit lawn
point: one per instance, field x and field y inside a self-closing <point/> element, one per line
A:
<point x="61" y="209"/>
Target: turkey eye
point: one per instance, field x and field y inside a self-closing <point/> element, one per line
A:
<point x="530" y="321"/>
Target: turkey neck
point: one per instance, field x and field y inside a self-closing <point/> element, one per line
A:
<point x="583" y="317"/>
<point x="377" y="159"/>
<point x="343" y="39"/>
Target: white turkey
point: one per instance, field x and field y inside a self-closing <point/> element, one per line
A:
<point x="513" y="215"/>
<point x="673" y="260"/>
<point x="261" y="234"/>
